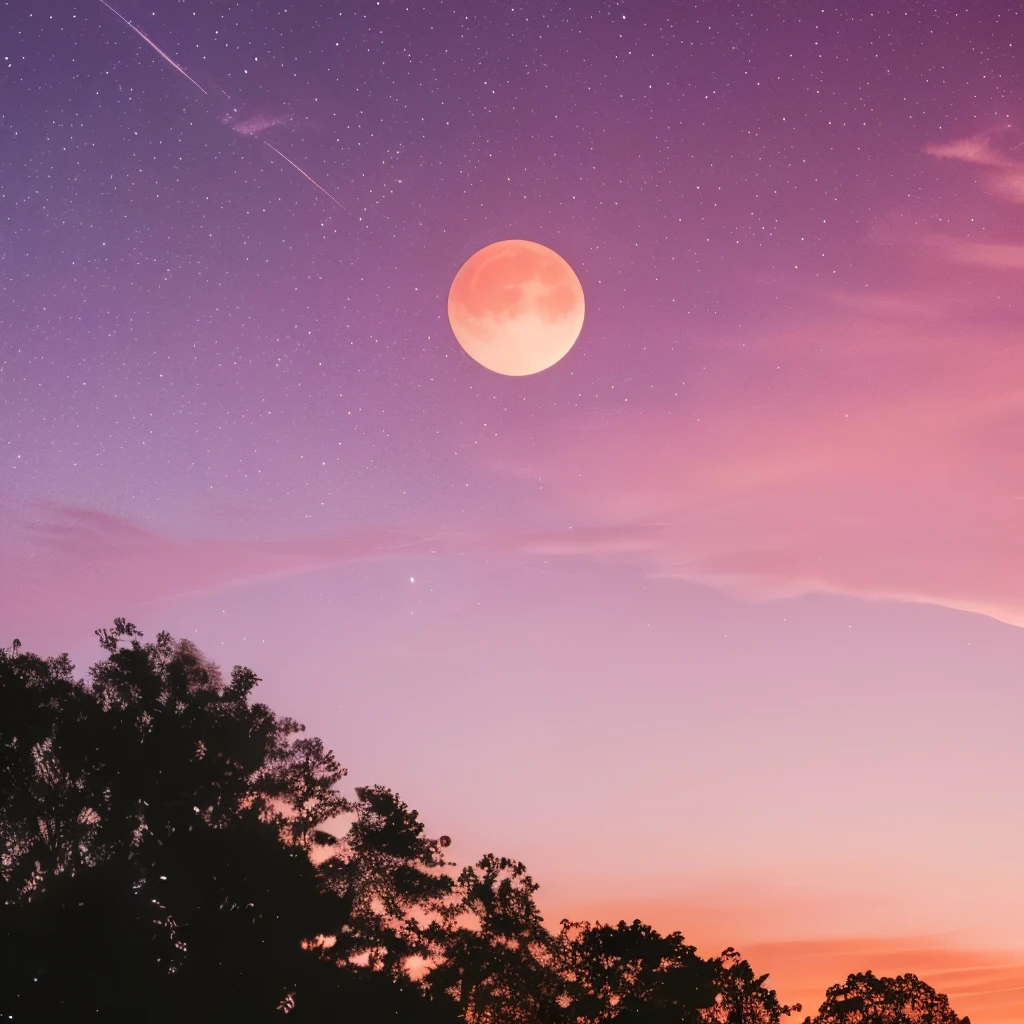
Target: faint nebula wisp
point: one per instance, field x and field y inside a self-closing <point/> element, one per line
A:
<point x="253" y="125"/>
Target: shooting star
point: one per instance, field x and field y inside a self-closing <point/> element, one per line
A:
<point x="302" y="172"/>
<point x="250" y="128"/>
<point x="138" y="31"/>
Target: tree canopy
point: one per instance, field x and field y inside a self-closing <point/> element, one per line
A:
<point x="171" y="848"/>
<point x="156" y="835"/>
<point x="866" y="999"/>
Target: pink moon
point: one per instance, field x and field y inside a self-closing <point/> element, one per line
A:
<point x="516" y="307"/>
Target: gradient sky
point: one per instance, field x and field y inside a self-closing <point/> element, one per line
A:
<point x="719" y="621"/>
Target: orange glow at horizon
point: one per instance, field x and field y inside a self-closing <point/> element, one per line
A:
<point x="984" y="984"/>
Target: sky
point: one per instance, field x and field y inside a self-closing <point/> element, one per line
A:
<point x="718" y="621"/>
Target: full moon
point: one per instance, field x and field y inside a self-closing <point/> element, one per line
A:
<point x="516" y="307"/>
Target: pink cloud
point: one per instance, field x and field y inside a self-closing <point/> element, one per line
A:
<point x="878" y="459"/>
<point x="63" y="557"/>
<point x="976" y="149"/>
<point x="1007" y="185"/>
<point x="886" y="305"/>
<point x="996" y="255"/>
<point x="879" y="472"/>
<point x="1006" y="181"/>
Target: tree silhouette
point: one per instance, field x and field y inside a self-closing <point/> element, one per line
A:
<point x="866" y="999"/>
<point x="631" y="973"/>
<point x="496" y="957"/>
<point x="741" y="995"/>
<point x="389" y="882"/>
<point x="171" y="849"/>
<point x="156" y="831"/>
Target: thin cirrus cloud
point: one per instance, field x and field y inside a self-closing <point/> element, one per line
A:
<point x="877" y="458"/>
<point x="1003" y="179"/>
<point x="916" y="501"/>
<point x="975" y="149"/>
<point x="995" y="255"/>
<point x="57" y="557"/>
<point x="1005" y="176"/>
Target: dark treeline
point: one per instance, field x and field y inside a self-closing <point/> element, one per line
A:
<point x="171" y="850"/>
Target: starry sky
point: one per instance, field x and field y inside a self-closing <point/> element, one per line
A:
<point x="717" y="622"/>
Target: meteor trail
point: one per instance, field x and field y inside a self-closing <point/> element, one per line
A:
<point x="301" y="171"/>
<point x="251" y="127"/>
<point x="139" y="32"/>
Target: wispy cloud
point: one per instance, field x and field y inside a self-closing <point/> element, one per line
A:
<point x="883" y="465"/>
<point x="61" y="554"/>
<point x="886" y="305"/>
<point x="1007" y="185"/>
<point x="975" y="149"/>
<point x="996" y="255"/>
<point x="887" y="475"/>
<point x="1006" y="173"/>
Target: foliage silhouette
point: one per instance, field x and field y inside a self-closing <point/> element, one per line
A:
<point x="631" y="973"/>
<point x="388" y="879"/>
<point x="156" y="831"/>
<point x="867" y="999"/>
<point x="171" y="849"/>
<point x="495" y="957"/>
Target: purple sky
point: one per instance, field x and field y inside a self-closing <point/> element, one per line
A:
<point x="718" y="621"/>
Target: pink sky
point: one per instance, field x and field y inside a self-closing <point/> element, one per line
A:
<point x="744" y="660"/>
